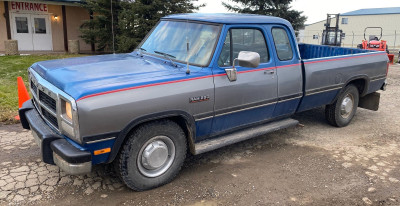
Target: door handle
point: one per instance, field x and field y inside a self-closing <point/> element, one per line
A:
<point x="272" y="71"/>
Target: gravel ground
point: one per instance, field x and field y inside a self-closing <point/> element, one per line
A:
<point x="312" y="164"/>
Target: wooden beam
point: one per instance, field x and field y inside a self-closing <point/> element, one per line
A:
<point x="64" y="18"/>
<point x="7" y="16"/>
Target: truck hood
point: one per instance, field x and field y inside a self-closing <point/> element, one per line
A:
<point x="83" y="76"/>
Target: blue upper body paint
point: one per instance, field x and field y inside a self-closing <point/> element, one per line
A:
<point x="84" y="76"/>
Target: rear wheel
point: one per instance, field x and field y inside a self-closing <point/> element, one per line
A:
<point x="342" y="111"/>
<point x="152" y="156"/>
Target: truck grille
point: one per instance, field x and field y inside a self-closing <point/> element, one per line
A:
<point x="45" y="103"/>
<point x="33" y="88"/>
<point x="48" y="101"/>
<point x="52" y="119"/>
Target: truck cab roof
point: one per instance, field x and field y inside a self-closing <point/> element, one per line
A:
<point x="229" y="18"/>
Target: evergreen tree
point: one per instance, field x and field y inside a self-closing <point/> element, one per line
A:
<point x="133" y="19"/>
<point x="98" y="30"/>
<point x="278" y="8"/>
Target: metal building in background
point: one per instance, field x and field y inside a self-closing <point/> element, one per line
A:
<point x="353" y="25"/>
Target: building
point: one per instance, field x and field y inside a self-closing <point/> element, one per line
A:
<point x="353" y="24"/>
<point x="42" y="25"/>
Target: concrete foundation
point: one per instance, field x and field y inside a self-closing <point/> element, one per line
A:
<point x="73" y="46"/>
<point x="11" y="47"/>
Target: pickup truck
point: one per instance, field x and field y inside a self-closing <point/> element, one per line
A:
<point x="196" y="83"/>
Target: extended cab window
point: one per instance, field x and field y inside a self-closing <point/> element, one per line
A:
<point x="282" y="44"/>
<point x="238" y="40"/>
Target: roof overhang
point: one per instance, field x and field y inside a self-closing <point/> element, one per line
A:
<point x="54" y="2"/>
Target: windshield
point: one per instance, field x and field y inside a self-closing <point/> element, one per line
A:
<point x="170" y="38"/>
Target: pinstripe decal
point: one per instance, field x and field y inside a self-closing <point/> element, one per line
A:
<point x="179" y="80"/>
<point x="216" y="75"/>
<point x="337" y="59"/>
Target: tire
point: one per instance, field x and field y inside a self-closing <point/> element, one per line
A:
<point x="152" y="156"/>
<point x="341" y="112"/>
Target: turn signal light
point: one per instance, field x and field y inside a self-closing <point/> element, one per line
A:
<point x="102" y="151"/>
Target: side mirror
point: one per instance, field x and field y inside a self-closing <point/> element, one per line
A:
<point x="248" y="59"/>
<point x="245" y="59"/>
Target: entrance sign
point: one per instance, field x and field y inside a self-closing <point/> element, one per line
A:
<point x="27" y="6"/>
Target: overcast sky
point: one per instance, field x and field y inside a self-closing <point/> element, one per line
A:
<point x="315" y="10"/>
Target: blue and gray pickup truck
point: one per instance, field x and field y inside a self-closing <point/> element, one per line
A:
<point x="196" y="83"/>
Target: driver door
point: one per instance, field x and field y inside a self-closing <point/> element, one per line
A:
<point x="253" y="96"/>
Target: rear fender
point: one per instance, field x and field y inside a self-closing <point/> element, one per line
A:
<point x="366" y="80"/>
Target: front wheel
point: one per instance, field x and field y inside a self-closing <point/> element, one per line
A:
<point x="152" y="156"/>
<point x="341" y="112"/>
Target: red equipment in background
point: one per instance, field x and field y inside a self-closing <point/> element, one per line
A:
<point x="376" y="43"/>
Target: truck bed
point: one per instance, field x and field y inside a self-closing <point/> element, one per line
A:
<point x="311" y="51"/>
<point x="327" y="70"/>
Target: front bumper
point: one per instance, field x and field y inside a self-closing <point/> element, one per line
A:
<point x="54" y="148"/>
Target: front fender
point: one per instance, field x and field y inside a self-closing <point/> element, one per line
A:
<point x="151" y="117"/>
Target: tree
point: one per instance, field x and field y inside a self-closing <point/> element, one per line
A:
<point x="133" y="19"/>
<point x="98" y="29"/>
<point x="279" y="8"/>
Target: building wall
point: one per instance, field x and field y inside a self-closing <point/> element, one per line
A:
<point x="3" y="28"/>
<point x="75" y="17"/>
<point x="56" y="27"/>
<point x="355" y="28"/>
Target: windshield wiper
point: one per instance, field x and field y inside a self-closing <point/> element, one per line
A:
<point x="140" y="51"/>
<point x="168" y="56"/>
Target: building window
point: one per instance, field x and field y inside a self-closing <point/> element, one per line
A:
<point x="314" y="36"/>
<point x="345" y="20"/>
<point x="40" y="26"/>
<point x="22" y="25"/>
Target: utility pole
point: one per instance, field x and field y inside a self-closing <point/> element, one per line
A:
<point x="112" y="26"/>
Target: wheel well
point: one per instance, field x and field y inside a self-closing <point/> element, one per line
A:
<point x="361" y="85"/>
<point x="181" y="121"/>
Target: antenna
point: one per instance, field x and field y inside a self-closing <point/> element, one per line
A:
<point x="187" y="49"/>
<point x="112" y="27"/>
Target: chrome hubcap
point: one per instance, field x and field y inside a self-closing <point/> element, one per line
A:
<point x="347" y="106"/>
<point x="156" y="156"/>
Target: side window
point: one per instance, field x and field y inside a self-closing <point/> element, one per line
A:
<point x="282" y="44"/>
<point x="225" y="56"/>
<point x="243" y="40"/>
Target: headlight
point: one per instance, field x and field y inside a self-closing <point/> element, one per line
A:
<point x="68" y="110"/>
<point x="69" y="119"/>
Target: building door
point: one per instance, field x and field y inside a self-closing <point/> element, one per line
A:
<point x="32" y="31"/>
<point x="22" y="31"/>
<point x="41" y="32"/>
